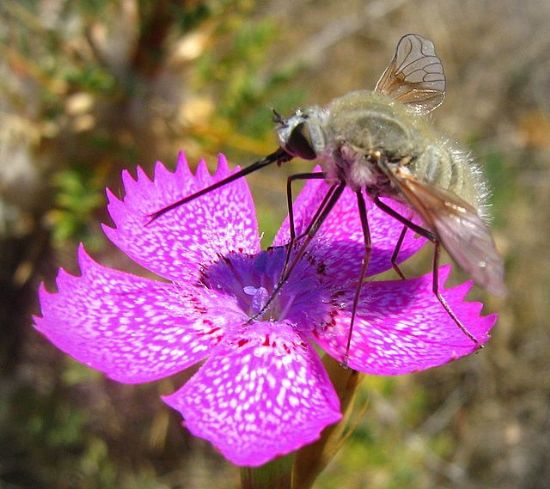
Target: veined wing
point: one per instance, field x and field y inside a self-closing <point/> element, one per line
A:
<point x="459" y="228"/>
<point x="415" y="75"/>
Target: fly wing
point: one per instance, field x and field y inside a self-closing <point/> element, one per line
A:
<point x="460" y="229"/>
<point x="415" y="75"/>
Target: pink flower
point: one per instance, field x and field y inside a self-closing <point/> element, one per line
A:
<point x="262" y="390"/>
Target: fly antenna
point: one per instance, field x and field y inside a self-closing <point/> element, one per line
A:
<point x="278" y="118"/>
<point x="279" y="156"/>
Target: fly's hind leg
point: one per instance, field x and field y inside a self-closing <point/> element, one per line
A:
<point x="435" y="271"/>
<point x="442" y="300"/>
<point x="396" y="251"/>
<point x="364" y="266"/>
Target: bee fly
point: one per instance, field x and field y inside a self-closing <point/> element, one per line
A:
<point x="380" y="143"/>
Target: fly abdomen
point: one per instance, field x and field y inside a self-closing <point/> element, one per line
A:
<point x="434" y="166"/>
<point x="450" y="168"/>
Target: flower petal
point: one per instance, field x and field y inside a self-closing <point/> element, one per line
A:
<point x="401" y="327"/>
<point x="339" y="243"/>
<point x="131" y="328"/>
<point x="176" y="244"/>
<point x="261" y="395"/>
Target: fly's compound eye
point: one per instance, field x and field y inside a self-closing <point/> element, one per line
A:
<point x="295" y="138"/>
<point x="299" y="143"/>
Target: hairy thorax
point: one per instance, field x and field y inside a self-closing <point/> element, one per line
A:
<point x="362" y="128"/>
<point x="367" y="134"/>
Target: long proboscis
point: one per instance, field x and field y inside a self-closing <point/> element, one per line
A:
<point x="279" y="156"/>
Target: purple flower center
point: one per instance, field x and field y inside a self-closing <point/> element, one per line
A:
<point x="251" y="280"/>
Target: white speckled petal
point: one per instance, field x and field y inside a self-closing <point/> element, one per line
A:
<point x="339" y="242"/>
<point x="401" y="327"/>
<point x="131" y="328"/>
<point x="262" y="395"/>
<point x="177" y="243"/>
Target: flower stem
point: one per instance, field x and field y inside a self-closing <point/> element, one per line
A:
<point x="312" y="459"/>
<point x="274" y="475"/>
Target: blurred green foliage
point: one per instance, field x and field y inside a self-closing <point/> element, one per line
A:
<point x="376" y="449"/>
<point x="77" y="195"/>
<point x="247" y="88"/>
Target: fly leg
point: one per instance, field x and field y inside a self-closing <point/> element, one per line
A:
<point x="364" y="266"/>
<point x="396" y="251"/>
<point x="442" y="300"/>
<point x="311" y="231"/>
<point x="435" y="272"/>
<point x="293" y="238"/>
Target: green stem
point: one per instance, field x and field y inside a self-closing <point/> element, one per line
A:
<point x="274" y="475"/>
<point x="312" y="459"/>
